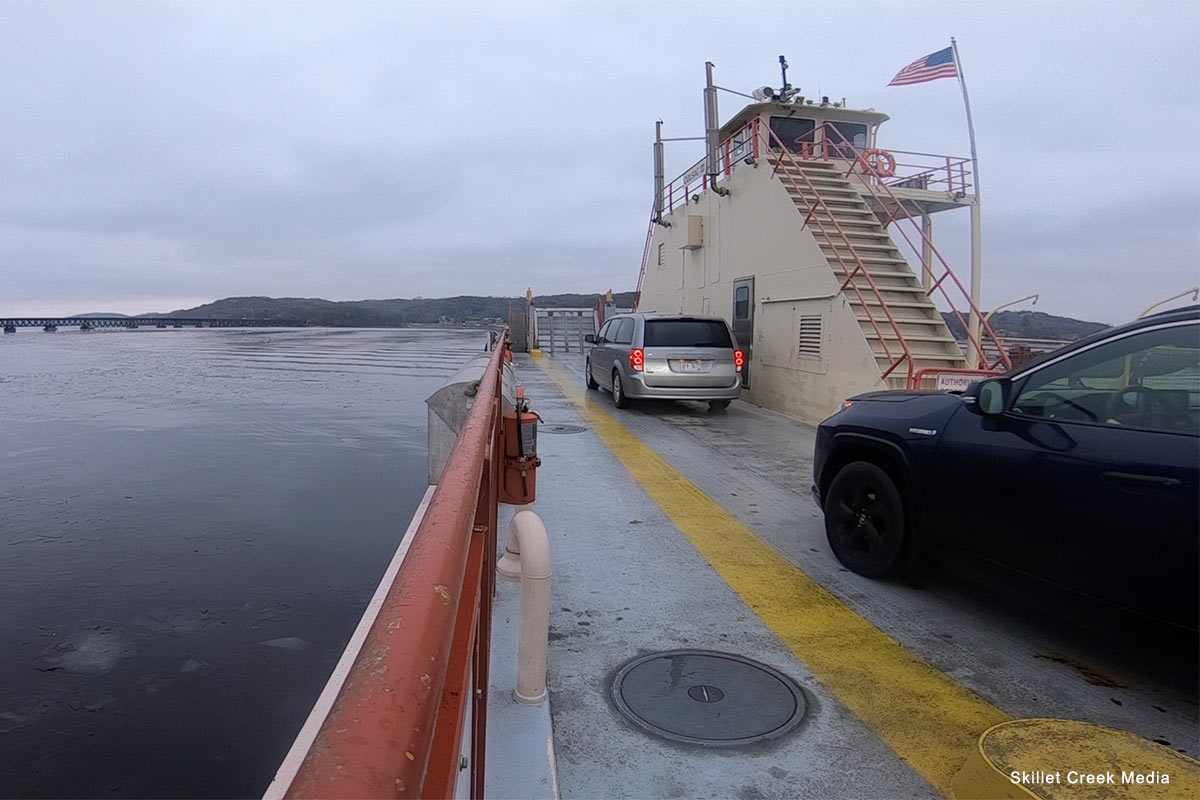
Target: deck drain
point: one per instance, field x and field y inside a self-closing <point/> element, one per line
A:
<point x="708" y="698"/>
<point x="559" y="427"/>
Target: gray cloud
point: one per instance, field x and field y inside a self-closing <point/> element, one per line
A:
<point x="156" y="153"/>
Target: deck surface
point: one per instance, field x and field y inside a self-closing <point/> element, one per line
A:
<point x="632" y="577"/>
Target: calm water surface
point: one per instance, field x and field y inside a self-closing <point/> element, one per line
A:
<point x="191" y="523"/>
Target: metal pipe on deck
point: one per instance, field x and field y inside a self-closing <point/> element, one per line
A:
<point x="533" y="544"/>
<point x="509" y="564"/>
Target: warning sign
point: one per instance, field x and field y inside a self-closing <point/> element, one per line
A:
<point x="958" y="381"/>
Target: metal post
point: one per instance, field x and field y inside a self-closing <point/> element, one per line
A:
<point x="550" y="319"/>
<point x="531" y="320"/>
<point x="976" y="224"/>
<point x="927" y="251"/>
<point x="973" y="340"/>
<point x="712" y="133"/>
<point x="660" y="172"/>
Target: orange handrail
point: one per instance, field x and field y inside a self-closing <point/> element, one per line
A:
<point x="913" y="169"/>
<point x="876" y="188"/>
<point x="850" y="270"/>
<point x="397" y="725"/>
<point x="920" y="170"/>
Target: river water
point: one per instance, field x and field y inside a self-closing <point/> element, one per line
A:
<point x="191" y="523"/>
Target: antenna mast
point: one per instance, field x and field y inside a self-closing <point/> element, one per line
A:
<point x="786" y="92"/>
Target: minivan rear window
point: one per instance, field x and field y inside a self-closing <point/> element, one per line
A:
<point x="687" y="333"/>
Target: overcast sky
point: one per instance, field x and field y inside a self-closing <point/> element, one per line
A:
<point x="158" y="155"/>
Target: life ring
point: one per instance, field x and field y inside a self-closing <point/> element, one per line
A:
<point x="879" y="162"/>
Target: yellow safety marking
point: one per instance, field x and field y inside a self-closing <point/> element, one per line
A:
<point x="930" y="720"/>
<point x="1058" y="759"/>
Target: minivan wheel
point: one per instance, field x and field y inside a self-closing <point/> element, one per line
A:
<point x="587" y="368"/>
<point x="718" y="405"/>
<point x="864" y="520"/>
<point x="619" y="398"/>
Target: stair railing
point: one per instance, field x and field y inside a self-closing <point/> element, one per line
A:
<point x="883" y="195"/>
<point x="852" y="267"/>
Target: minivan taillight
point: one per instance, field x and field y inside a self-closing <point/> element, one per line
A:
<point x="738" y="360"/>
<point x="637" y="359"/>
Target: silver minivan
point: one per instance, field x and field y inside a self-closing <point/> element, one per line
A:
<point x="665" y="357"/>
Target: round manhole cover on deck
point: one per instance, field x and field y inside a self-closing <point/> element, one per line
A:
<point x="708" y="698"/>
<point x="559" y="427"/>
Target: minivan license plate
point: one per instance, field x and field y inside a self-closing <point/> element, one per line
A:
<point x="689" y="365"/>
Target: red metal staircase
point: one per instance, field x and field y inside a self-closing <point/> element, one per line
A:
<point x="848" y="208"/>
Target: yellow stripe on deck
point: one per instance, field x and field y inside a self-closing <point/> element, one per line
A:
<point x="930" y="720"/>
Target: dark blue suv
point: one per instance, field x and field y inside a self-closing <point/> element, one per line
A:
<point x="1081" y="468"/>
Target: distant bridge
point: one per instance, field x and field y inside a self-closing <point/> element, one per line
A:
<point x="11" y="324"/>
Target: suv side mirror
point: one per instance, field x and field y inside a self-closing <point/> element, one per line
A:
<point x="993" y="396"/>
<point x="589" y="338"/>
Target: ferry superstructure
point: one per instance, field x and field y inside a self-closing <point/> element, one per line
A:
<point x="794" y="227"/>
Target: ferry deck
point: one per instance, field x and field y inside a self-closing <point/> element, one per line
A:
<point x="703" y="639"/>
<point x="673" y="529"/>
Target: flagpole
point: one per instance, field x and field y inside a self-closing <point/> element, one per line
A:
<point x="962" y="81"/>
<point x="974" y="342"/>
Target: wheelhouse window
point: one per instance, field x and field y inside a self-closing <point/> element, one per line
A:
<point x="741" y="144"/>
<point x="795" y="132"/>
<point x="687" y="333"/>
<point x="848" y="139"/>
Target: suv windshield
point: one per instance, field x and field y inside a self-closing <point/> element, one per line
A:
<point x="687" y="333"/>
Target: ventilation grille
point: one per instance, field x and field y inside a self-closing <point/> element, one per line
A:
<point x="662" y="260"/>
<point x="810" y="337"/>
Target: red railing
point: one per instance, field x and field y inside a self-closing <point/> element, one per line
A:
<point x="851" y="264"/>
<point x="949" y="174"/>
<point x="898" y="212"/>
<point x="744" y="143"/>
<point x="928" y="171"/>
<point x="913" y="170"/>
<point x="397" y="726"/>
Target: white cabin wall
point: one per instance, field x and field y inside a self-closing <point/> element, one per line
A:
<point x="756" y="230"/>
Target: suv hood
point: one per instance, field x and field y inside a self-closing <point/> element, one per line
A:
<point x="932" y="398"/>
<point x="899" y="410"/>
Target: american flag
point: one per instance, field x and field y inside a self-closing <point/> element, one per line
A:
<point x="930" y="68"/>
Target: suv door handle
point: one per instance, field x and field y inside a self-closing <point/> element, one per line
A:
<point x="1142" y="480"/>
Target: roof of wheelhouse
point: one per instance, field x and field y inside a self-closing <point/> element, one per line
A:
<point x="823" y="111"/>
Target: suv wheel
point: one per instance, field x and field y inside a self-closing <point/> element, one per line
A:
<point x="864" y="520"/>
<point x="619" y="398"/>
<point x="587" y="368"/>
